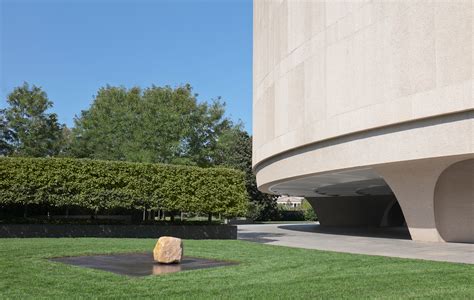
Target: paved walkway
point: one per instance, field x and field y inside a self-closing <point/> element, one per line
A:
<point x="394" y="243"/>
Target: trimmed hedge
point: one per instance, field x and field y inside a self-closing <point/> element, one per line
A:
<point x="97" y="185"/>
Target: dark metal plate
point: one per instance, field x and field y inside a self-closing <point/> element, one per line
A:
<point x="139" y="264"/>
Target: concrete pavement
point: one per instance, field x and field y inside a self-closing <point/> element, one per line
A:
<point x="393" y="242"/>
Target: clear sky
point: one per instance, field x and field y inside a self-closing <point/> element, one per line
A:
<point x="72" y="48"/>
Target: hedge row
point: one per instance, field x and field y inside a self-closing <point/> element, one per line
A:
<point x="93" y="184"/>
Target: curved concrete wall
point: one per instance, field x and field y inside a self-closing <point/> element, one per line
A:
<point x="325" y="69"/>
<point x="346" y="86"/>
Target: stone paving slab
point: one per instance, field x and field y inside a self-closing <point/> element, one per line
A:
<point x="393" y="244"/>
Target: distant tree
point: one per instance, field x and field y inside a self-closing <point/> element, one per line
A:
<point x="157" y="124"/>
<point x="6" y="135"/>
<point x="208" y="125"/>
<point x="65" y="142"/>
<point x="234" y="150"/>
<point x="105" y="130"/>
<point x="309" y="214"/>
<point x="27" y="128"/>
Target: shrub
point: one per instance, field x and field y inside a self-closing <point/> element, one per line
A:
<point x="254" y="211"/>
<point x="94" y="184"/>
<point x="291" y="215"/>
<point x="309" y="214"/>
<point x="304" y="212"/>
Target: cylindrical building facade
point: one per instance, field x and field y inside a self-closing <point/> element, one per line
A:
<point x="366" y="107"/>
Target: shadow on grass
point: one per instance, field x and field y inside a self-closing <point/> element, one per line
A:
<point x="259" y="237"/>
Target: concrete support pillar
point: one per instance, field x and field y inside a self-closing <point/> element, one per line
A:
<point x="454" y="202"/>
<point x="413" y="183"/>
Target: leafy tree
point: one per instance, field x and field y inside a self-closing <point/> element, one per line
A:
<point x="105" y="130"/>
<point x="235" y="150"/>
<point x="207" y="126"/>
<point x="27" y="129"/>
<point x="65" y="142"/>
<point x="165" y="115"/>
<point x="6" y="135"/>
<point x="309" y="214"/>
<point x="157" y="124"/>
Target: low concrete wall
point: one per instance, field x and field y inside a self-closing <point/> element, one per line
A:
<point x="193" y="232"/>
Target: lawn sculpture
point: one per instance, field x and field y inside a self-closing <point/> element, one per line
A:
<point x="168" y="250"/>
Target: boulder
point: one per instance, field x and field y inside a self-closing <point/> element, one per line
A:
<point x="168" y="250"/>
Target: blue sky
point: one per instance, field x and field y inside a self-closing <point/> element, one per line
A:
<point x="71" y="48"/>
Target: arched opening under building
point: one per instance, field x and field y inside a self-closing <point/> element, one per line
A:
<point x="379" y="216"/>
<point x="355" y="202"/>
<point x="393" y="216"/>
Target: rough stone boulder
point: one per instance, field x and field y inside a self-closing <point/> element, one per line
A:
<point x="168" y="250"/>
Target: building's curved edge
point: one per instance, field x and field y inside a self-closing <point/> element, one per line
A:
<point x="356" y="121"/>
<point x="400" y="142"/>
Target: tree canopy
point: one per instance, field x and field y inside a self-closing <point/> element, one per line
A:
<point x="26" y="129"/>
<point x="157" y="124"/>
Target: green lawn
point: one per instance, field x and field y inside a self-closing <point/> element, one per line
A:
<point x="264" y="272"/>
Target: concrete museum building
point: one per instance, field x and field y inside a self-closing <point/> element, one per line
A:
<point x="366" y="109"/>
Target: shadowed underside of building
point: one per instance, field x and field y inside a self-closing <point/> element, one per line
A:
<point x="366" y="109"/>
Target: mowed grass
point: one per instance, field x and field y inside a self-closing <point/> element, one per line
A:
<point x="264" y="272"/>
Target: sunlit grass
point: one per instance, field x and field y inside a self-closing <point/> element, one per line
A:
<point x="264" y="272"/>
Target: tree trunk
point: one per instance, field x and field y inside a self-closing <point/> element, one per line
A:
<point x="209" y="217"/>
<point x="94" y="214"/>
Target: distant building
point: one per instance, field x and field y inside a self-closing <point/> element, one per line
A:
<point x="290" y="202"/>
